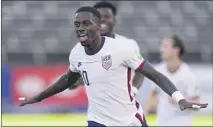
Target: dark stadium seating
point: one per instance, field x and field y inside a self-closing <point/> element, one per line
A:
<point x="37" y="28"/>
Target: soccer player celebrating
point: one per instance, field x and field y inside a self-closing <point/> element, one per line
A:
<point x="182" y="76"/>
<point x="108" y="20"/>
<point x="105" y="65"/>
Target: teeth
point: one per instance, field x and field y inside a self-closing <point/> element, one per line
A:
<point x="103" y="26"/>
<point x="82" y="35"/>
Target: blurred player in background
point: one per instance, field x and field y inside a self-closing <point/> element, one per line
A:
<point x="105" y="65"/>
<point x="182" y="77"/>
<point x="108" y="21"/>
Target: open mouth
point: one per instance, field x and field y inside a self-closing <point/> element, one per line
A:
<point x="83" y="37"/>
<point x="103" y="26"/>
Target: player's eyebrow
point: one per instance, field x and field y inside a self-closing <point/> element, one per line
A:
<point x="87" y="20"/>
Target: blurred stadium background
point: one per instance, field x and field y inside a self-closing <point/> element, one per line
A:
<point x="37" y="37"/>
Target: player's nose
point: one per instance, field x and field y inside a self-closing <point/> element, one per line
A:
<point x="103" y="20"/>
<point x="81" y="28"/>
<point x="81" y="32"/>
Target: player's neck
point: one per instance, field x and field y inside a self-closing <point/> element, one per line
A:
<point x="95" y="46"/>
<point x="173" y="65"/>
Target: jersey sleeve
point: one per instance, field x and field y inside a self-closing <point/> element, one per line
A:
<point x="72" y="64"/>
<point x="135" y="45"/>
<point x="72" y="67"/>
<point x="133" y="58"/>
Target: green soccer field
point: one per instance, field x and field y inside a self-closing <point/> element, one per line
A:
<point x="74" y="120"/>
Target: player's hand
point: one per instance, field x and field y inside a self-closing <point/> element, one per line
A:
<point x="184" y="104"/>
<point x="26" y="101"/>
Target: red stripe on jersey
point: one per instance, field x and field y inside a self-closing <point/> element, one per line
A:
<point x="137" y="115"/>
<point x="137" y="104"/>
<point x="128" y="83"/>
<point x="142" y="63"/>
<point x="69" y="71"/>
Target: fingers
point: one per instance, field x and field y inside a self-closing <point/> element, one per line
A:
<point x="22" y="99"/>
<point x="22" y="104"/>
<point x="26" y="101"/>
<point x="182" y="108"/>
<point x="194" y="105"/>
<point x="199" y="105"/>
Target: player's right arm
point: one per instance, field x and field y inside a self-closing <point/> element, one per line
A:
<point x="62" y="83"/>
<point x="78" y="83"/>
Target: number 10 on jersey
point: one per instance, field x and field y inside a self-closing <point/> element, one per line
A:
<point x="85" y="77"/>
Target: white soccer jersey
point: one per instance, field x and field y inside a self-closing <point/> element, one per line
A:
<point x="168" y="113"/>
<point x="132" y="43"/>
<point x="107" y="78"/>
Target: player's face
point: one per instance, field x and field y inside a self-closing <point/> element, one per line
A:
<point x="107" y="21"/>
<point x="86" y="27"/>
<point x="167" y="50"/>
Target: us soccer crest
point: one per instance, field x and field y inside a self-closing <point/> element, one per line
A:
<point x="106" y="61"/>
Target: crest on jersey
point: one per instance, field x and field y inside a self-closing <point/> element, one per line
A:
<point x="106" y="61"/>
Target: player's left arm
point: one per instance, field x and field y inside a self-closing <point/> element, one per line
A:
<point x="162" y="81"/>
<point x="135" y="61"/>
<point x="167" y="86"/>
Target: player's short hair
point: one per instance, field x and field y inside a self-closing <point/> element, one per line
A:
<point x="89" y="9"/>
<point x="177" y="42"/>
<point x="105" y="4"/>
